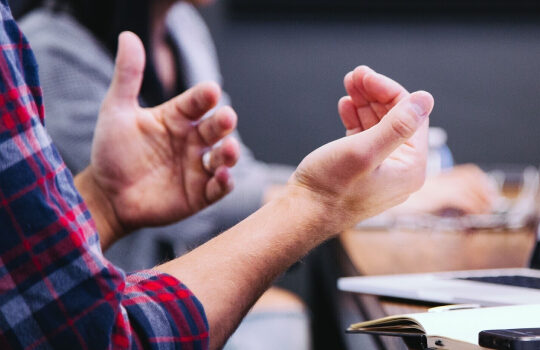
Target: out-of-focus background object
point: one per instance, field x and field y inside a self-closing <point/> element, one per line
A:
<point x="439" y="157"/>
<point x="427" y="242"/>
<point x="284" y="62"/>
<point x="450" y="202"/>
<point x="386" y="5"/>
<point x="503" y="238"/>
<point x="19" y="7"/>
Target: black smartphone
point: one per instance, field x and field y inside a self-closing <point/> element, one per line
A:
<point x="510" y="339"/>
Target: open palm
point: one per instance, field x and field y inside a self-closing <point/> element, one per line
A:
<point x="148" y="161"/>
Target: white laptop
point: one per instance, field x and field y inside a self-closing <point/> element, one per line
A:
<point x="484" y="287"/>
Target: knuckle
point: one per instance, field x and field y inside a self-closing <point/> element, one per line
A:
<point x="196" y="103"/>
<point x="128" y="71"/>
<point x="214" y="129"/>
<point x="404" y="126"/>
<point x="208" y="131"/>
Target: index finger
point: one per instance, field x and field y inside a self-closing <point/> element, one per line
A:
<point x="364" y="85"/>
<point x="192" y="104"/>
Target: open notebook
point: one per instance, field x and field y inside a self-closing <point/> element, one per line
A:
<point x="456" y="329"/>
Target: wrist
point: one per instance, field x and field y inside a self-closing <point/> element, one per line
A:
<point x="100" y="206"/>
<point x="316" y="210"/>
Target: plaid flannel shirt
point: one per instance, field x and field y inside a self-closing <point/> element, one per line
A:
<point x="56" y="288"/>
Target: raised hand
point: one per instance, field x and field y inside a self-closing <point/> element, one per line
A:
<point x="332" y="189"/>
<point x="147" y="163"/>
<point x="383" y="159"/>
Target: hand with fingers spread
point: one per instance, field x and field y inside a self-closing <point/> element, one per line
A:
<point x="381" y="161"/>
<point x="147" y="164"/>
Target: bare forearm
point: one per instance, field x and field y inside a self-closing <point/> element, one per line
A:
<point x="108" y="228"/>
<point x="230" y="272"/>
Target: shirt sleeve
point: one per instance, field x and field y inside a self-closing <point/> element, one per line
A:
<point x="75" y="72"/>
<point x="56" y="288"/>
<point x="165" y="314"/>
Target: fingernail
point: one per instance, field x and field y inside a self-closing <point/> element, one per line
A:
<point x="419" y="109"/>
<point x="420" y="106"/>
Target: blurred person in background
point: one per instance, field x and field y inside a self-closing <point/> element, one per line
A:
<point x="75" y="41"/>
<point x="148" y="168"/>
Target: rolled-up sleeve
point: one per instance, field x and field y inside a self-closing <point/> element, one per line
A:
<point x="57" y="291"/>
<point x="166" y="312"/>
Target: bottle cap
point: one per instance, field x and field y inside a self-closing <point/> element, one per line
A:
<point x="437" y="137"/>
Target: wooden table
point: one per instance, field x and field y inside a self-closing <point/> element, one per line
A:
<point x="393" y="251"/>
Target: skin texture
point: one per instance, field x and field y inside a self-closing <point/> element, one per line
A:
<point x="165" y="64"/>
<point x="372" y="169"/>
<point x="146" y="167"/>
<point x="465" y="189"/>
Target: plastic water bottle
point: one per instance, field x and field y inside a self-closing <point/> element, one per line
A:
<point x="439" y="155"/>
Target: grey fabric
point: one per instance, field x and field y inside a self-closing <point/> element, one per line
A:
<point x="75" y="71"/>
<point x="267" y="330"/>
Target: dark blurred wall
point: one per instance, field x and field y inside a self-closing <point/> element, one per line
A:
<point x="285" y="77"/>
<point x="18" y="7"/>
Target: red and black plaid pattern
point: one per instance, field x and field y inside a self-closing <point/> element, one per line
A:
<point x="56" y="288"/>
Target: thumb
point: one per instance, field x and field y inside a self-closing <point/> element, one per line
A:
<point x="400" y="125"/>
<point x="129" y="69"/>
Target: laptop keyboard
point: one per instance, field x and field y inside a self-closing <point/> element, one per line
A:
<point x="516" y="281"/>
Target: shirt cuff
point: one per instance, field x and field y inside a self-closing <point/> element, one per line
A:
<point x="165" y="310"/>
